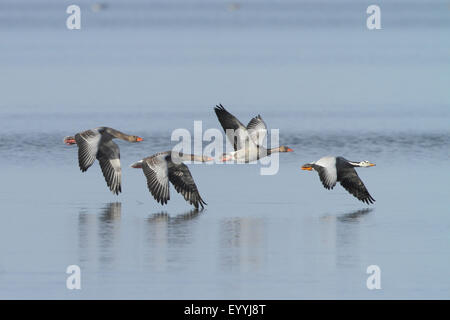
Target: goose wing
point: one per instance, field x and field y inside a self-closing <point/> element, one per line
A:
<point x="236" y="132"/>
<point x="88" y="143"/>
<point x="350" y="180"/>
<point x="156" y="171"/>
<point x="326" y="167"/>
<point x="108" y="156"/>
<point x="257" y="130"/>
<point x="181" y="178"/>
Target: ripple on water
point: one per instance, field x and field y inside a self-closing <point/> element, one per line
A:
<point x="48" y="147"/>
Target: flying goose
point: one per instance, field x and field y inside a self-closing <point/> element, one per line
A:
<point x="332" y="169"/>
<point x="163" y="167"/>
<point x="97" y="144"/>
<point x="247" y="140"/>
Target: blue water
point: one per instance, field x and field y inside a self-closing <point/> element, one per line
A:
<point x="312" y="70"/>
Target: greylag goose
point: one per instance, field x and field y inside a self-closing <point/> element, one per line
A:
<point x="97" y="144"/>
<point x="247" y="140"/>
<point x="332" y="169"/>
<point x="163" y="167"/>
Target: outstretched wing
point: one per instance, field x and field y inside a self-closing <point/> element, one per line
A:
<point x="181" y="178"/>
<point x="350" y="180"/>
<point x="257" y="130"/>
<point x="326" y="167"/>
<point x="156" y="171"/>
<point x="88" y="144"/>
<point x="327" y="176"/>
<point x="108" y="156"/>
<point x="236" y="132"/>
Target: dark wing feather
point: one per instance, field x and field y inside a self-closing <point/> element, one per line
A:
<point x="156" y="171"/>
<point x="257" y="130"/>
<point x="327" y="176"/>
<point x="181" y="178"/>
<point x="231" y="123"/>
<point x="108" y="156"/>
<point x="88" y="144"/>
<point x="350" y="180"/>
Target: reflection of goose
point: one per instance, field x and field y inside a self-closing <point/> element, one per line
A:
<point x="247" y="141"/>
<point x="97" y="144"/>
<point x="99" y="234"/>
<point x="112" y="211"/>
<point x="354" y="215"/>
<point x="333" y="169"/>
<point x="163" y="167"/>
<point x="242" y="243"/>
<point x="189" y="215"/>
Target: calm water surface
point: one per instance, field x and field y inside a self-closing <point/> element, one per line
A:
<point x="311" y="70"/>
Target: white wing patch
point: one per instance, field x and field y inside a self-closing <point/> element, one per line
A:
<point x="328" y="174"/>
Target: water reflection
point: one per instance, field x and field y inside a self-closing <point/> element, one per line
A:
<point x="354" y="216"/>
<point x="163" y="215"/>
<point x="109" y="231"/>
<point x="342" y="235"/>
<point x="99" y="235"/>
<point x="242" y="243"/>
<point x="167" y="239"/>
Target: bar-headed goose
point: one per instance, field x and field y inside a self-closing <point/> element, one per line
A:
<point x="247" y="140"/>
<point x="97" y="144"/>
<point x="332" y="169"/>
<point x="163" y="167"/>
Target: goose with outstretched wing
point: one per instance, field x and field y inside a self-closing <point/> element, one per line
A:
<point x="164" y="167"/>
<point x="247" y="140"/>
<point x="97" y="144"/>
<point x="337" y="169"/>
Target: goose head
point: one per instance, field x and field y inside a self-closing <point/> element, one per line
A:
<point x="363" y="164"/>
<point x="137" y="164"/>
<point x="135" y="139"/>
<point x="228" y="156"/>
<point x="285" y="149"/>
<point x="69" y="140"/>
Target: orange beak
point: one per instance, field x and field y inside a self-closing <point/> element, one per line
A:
<point x="139" y="139"/>
<point x="307" y="168"/>
<point x="70" y="141"/>
<point x="137" y="165"/>
<point x="372" y="165"/>
<point x="226" y="157"/>
<point x="289" y="150"/>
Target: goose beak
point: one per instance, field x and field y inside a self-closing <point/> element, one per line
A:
<point x="371" y="164"/>
<point x="137" y="165"/>
<point x="69" y="141"/>
<point x="139" y="139"/>
<point x="289" y="150"/>
<point x="307" y="167"/>
<point x="226" y="157"/>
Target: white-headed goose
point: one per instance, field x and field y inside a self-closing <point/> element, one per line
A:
<point x="247" y="140"/>
<point x="333" y="169"/>
<point x="97" y="144"/>
<point x="163" y="167"/>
